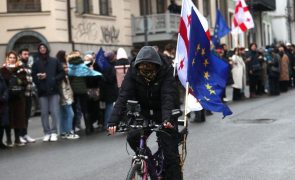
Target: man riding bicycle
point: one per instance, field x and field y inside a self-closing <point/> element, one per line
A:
<point x="150" y="81"/>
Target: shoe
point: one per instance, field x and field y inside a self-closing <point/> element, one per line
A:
<point x="46" y="138"/>
<point x="19" y="143"/>
<point x="29" y="139"/>
<point x="77" y="129"/>
<point x="22" y="139"/>
<point x="2" y="146"/>
<point x="63" y="135"/>
<point x="72" y="136"/>
<point x="225" y="100"/>
<point x="53" y="137"/>
<point x="9" y="144"/>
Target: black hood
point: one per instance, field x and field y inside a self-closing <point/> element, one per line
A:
<point x="47" y="51"/>
<point x="148" y="54"/>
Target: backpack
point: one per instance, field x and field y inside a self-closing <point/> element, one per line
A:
<point x="14" y="87"/>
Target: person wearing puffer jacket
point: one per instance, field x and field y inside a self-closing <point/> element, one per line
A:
<point x="78" y="73"/>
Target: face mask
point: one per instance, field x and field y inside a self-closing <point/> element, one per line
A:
<point x="148" y="71"/>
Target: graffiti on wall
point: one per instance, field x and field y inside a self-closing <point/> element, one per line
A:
<point x="86" y="31"/>
<point x="110" y="34"/>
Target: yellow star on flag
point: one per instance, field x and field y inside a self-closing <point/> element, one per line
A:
<point x="208" y="86"/>
<point x="203" y="52"/>
<point x="193" y="62"/>
<point x="198" y="47"/>
<point x="212" y="91"/>
<point x="206" y="75"/>
<point x="206" y="62"/>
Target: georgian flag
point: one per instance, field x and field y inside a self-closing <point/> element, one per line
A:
<point x="242" y="20"/>
<point x="182" y="48"/>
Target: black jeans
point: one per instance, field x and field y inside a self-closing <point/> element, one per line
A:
<point x="169" y="143"/>
<point x="28" y="107"/>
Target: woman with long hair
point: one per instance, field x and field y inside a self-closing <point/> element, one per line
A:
<point x="15" y="77"/>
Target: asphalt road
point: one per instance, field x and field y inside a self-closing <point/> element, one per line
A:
<point x="256" y="143"/>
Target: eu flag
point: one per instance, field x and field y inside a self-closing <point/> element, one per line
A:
<point x="207" y="74"/>
<point x="221" y="29"/>
<point x="101" y="60"/>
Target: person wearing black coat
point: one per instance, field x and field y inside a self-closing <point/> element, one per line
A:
<point x="150" y="81"/>
<point x="47" y="72"/>
<point x="253" y="69"/>
<point x="110" y="90"/>
<point x="3" y="112"/>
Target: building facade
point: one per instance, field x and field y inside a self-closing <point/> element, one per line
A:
<point x="66" y="24"/>
<point x="283" y="21"/>
<point x="90" y="24"/>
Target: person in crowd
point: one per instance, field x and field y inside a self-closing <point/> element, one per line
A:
<point x="94" y="83"/>
<point x="239" y="75"/>
<point x="253" y="69"/>
<point x="47" y="73"/>
<point x="284" y="69"/>
<point x="174" y="7"/>
<point x="15" y="76"/>
<point x="121" y="65"/>
<point x="66" y="101"/>
<point x="290" y="54"/>
<point x="4" y="122"/>
<point x="24" y="57"/>
<point x="110" y="88"/>
<point x="168" y="53"/>
<point x="273" y="71"/>
<point x="150" y="81"/>
<point x="122" y="58"/>
<point x="78" y="73"/>
<point x="263" y="73"/>
<point x="223" y="52"/>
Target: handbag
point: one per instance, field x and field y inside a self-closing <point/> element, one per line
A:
<point x="93" y="93"/>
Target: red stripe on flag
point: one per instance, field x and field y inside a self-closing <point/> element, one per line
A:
<point x="208" y="34"/>
<point x="246" y="9"/>
<point x="239" y="5"/>
<point x="235" y="22"/>
<point x="243" y="27"/>
<point x="183" y="33"/>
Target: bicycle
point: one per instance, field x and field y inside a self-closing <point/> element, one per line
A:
<point x="139" y="167"/>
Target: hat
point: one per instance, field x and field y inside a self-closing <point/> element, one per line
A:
<point x="288" y="44"/>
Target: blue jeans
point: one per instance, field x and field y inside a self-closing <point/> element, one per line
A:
<point x="107" y="114"/>
<point x="66" y="121"/>
<point x="50" y="104"/>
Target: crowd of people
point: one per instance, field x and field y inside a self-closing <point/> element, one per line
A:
<point x="73" y="86"/>
<point x="269" y="70"/>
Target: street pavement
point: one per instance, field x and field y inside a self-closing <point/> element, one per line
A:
<point x="256" y="143"/>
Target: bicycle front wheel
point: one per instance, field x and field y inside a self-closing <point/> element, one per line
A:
<point x="137" y="172"/>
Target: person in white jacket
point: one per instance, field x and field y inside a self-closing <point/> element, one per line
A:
<point x="239" y="75"/>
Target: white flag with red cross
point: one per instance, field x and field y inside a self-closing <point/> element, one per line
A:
<point x="182" y="48"/>
<point x="242" y="20"/>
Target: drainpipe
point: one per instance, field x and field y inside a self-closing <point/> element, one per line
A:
<point x="69" y="16"/>
<point x="145" y="23"/>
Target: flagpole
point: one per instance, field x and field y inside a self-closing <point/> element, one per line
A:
<point x="186" y="104"/>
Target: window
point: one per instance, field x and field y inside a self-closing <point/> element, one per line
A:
<point x="145" y="5"/>
<point x="23" y="6"/>
<point x="84" y="6"/>
<point x="206" y="10"/>
<point x="105" y="7"/>
<point x="161" y="6"/>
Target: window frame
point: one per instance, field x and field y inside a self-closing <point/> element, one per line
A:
<point x="20" y="7"/>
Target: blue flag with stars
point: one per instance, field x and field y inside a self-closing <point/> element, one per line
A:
<point x="101" y="60"/>
<point x="221" y="29"/>
<point x="207" y="74"/>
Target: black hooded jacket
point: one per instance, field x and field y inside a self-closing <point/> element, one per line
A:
<point x="54" y="74"/>
<point x="156" y="98"/>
